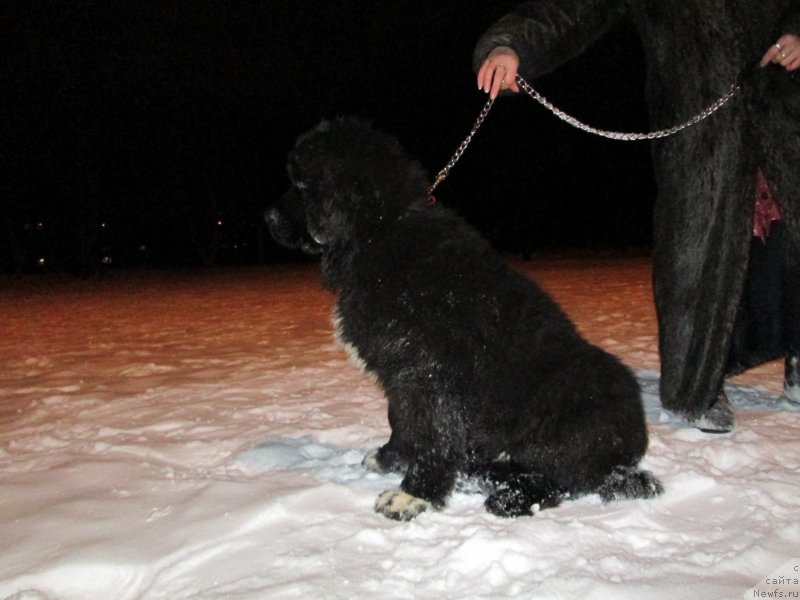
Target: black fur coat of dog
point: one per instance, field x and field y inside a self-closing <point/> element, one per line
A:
<point x="486" y="378"/>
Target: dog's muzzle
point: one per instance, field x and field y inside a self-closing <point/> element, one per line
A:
<point x="273" y="218"/>
<point x="290" y="231"/>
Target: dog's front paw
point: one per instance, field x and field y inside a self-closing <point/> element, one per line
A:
<point x="400" y="506"/>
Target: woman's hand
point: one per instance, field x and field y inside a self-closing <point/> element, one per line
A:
<point x="784" y="52"/>
<point x="499" y="71"/>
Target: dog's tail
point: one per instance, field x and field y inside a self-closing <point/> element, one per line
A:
<point x="629" y="482"/>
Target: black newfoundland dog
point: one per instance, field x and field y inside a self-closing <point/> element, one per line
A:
<point x="487" y="380"/>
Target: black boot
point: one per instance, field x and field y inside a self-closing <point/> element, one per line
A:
<point x="718" y="418"/>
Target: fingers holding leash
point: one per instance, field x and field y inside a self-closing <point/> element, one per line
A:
<point x="499" y="72"/>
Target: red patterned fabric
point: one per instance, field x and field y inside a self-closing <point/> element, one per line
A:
<point x="766" y="209"/>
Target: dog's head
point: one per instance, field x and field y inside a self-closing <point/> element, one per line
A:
<point x="346" y="176"/>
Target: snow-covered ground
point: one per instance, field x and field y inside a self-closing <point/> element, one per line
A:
<point x="200" y="436"/>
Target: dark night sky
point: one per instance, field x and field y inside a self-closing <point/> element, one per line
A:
<point x="163" y="119"/>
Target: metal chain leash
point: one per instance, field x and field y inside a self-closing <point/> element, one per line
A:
<point x="442" y="175"/>
<point x="626" y="136"/>
<point x="614" y="135"/>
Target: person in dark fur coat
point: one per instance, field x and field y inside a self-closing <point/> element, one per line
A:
<point x="706" y="175"/>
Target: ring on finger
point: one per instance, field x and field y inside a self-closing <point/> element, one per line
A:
<point x="779" y="47"/>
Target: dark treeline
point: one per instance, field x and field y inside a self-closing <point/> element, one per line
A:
<point x="154" y="134"/>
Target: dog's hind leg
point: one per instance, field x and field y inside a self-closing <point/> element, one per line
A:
<point x="517" y="494"/>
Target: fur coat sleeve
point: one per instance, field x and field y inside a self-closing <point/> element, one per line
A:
<point x="547" y="33"/>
